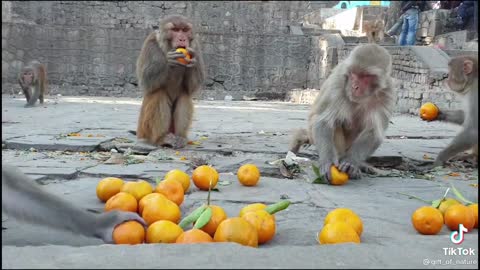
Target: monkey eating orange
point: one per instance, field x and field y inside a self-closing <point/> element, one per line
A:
<point x="185" y="52"/>
<point x="429" y="111"/>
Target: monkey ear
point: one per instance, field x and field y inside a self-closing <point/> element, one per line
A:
<point x="467" y="66"/>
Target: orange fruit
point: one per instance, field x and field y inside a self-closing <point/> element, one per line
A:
<point x="163" y="231"/>
<point x="237" y="230"/>
<point x="474" y="208"/>
<point x="130" y="232"/>
<point x="194" y="236"/>
<point x="248" y="175"/>
<point x="181" y="177"/>
<point x="138" y="188"/>
<point x="172" y="189"/>
<point x="459" y="214"/>
<point x="338" y="177"/>
<point x="161" y="210"/>
<point x="346" y="215"/>
<point x="427" y="220"/>
<point x="202" y="176"/>
<point x="122" y="201"/>
<point x="185" y="52"/>
<point x="218" y="215"/>
<point x="253" y="207"/>
<point x="148" y="199"/>
<point x="107" y="187"/>
<point x="429" y="111"/>
<point x="263" y="222"/>
<point x="338" y="232"/>
<point x="447" y="203"/>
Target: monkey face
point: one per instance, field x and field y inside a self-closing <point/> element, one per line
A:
<point x="27" y="77"/>
<point x="180" y="36"/>
<point x="360" y="85"/>
<point x="459" y="71"/>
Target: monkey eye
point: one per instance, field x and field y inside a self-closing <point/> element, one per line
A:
<point x="175" y="29"/>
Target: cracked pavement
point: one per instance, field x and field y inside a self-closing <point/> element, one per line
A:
<point x="43" y="142"/>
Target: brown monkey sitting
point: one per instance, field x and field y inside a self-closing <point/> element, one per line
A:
<point x="375" y="30"/>
<point x="168" y="84"/>
<point x="349" y="117"/>
<point x="34" y="77"/>
<point x="462" y="79"/>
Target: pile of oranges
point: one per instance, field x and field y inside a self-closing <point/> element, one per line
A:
<point x="429" y="220"/>
<point x="160" y="205"/>
<point x="341" y="225"/>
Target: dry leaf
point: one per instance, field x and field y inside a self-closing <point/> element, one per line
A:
<point x="183" y="158"/>
<point x="454" y="174"/>
<point x="74" y="134"/>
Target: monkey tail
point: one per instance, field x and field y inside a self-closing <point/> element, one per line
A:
<point x="300" y="137"/>
<point x="44" y="83"/>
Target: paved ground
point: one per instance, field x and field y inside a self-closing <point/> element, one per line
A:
<point x="228" y="134"/>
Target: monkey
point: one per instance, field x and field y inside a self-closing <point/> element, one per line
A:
<point x="33" y="76"/>
<point x="27" y="201"/>
<point x="463" y="80"/>
<point x="375" y="30"/>
<point x="168" y="85"/>
<point x="349" y="116"/>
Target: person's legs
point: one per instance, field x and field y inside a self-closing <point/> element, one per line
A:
<point x="403" y="33"/>
<point x="412" y="26"/>
<point x="394" y="29"/>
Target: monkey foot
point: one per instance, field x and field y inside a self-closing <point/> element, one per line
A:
<point x="174" y="141"/>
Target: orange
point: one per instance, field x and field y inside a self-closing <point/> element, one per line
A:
<point x="429" y="111"/>
<point x="163" y="231"/>
<point x="263" y="222"/>
<point x="338" y="232"/>
<point x="444" y="204"/>
<point x="218" y="215"/>
<point x="138" y="188"/>
<point x="187" y="55"/>
<point x="253" y="207"/>
<point x="248" y="175"/>
<point x="202" y="176"/>
<point x="130" y="232"/>
<point x="338" y="177"/>
<point x="181" y="177"/>
<point x="194" y="236"/>
<point x="346" y="215"/>
<point x="107" y="187"/>
<point x="148" y="199"/>
<point x="459" y="214"/>
<point x="161" y="210"/>
<point x="122" y="201"/>
<point x="474" y="208"/>
<point x="172" y="189"/>
<point x="427" y="220"/>
<point x="237" y="230"/>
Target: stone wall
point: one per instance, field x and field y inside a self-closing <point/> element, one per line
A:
<point x="90" y="48"/>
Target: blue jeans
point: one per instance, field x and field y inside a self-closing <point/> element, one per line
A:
<point x="409" y="27"/>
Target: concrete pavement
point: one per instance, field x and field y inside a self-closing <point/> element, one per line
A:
<point x="227" y="135"/>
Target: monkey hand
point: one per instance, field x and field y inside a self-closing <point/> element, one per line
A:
<point x="325" y="171"/>
<point x="172" y="57"/>
<point x="351" y="167"/>
<point x="107" y="222"/>
<point x="180" y="142"/>
<point x="441" y="116"/>
<point x="193" y="60"/>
